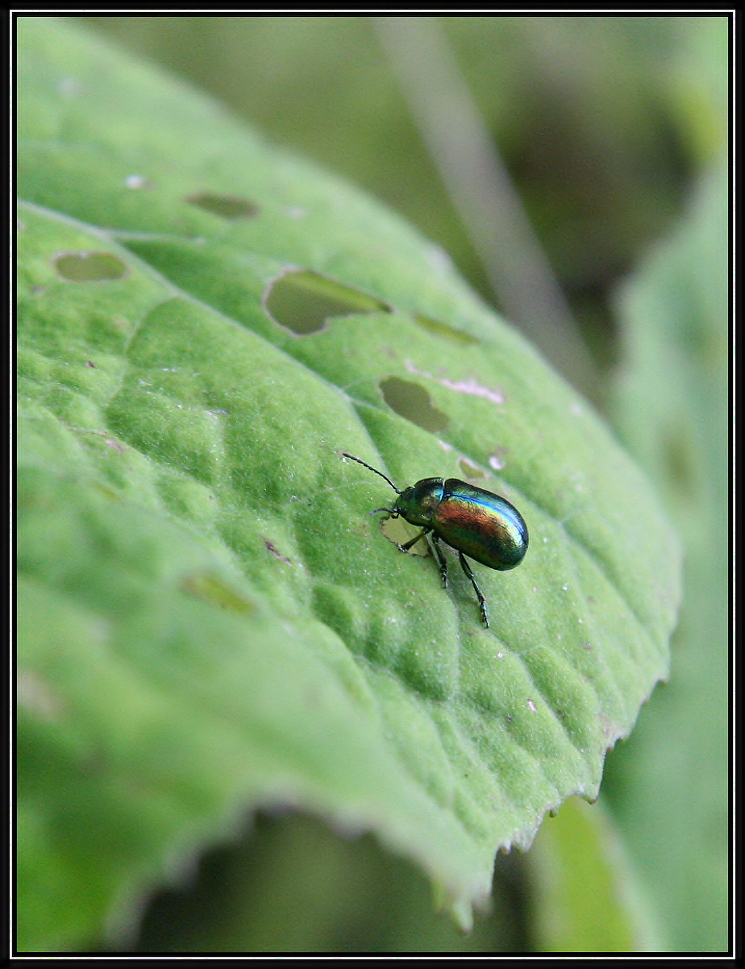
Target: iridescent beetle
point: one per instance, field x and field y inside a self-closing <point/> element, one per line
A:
<point x="472" y="521"/>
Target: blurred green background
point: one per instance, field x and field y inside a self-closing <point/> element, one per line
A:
<point x="603" y="123"/>
<point x="608" y="128"/>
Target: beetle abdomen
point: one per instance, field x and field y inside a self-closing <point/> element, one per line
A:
<point x="482" y="525"/>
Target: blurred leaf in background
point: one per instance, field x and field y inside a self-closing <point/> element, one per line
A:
<point x="669" y="784"/>
<point x="602" y="121"/>
<point x="294" y="885"/>
<point x="598" y="184"/>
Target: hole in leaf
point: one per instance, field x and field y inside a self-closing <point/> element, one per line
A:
<point x="69" y="87"/>
<point x="224" y="206"/>
<point x="469" y="470"/>
<point x="678" y="454"/>
<point x="273" y="550"/>
<point x="412" y="401"/>
<point x="90" y="267"/>
<point x="136" y="181"/>
<point x="303" y="300"/>
<point x="37" y="697"/>
<point x="399" y="532"/>
<point x="443" y="330"/>
<point x="216" y="593"/>
<point x="498" y="460"/>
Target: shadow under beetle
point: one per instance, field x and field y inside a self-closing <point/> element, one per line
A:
<point x="472" y="521"/>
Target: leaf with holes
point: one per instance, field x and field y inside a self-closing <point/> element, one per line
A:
<point x="210" y="618"/>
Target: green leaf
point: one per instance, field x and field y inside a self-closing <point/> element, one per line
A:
<point x="210" y="618"/>
<point x="670" y="784"/>
<point x="585" y="895"/>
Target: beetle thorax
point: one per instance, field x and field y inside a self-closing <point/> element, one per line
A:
<point x="418" y="503"/>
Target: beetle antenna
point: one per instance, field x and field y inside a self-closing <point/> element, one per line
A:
<point x="371" y="468"/>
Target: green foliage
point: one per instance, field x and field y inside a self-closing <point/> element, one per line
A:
<point x="599" y="119"/>
<point x="672" y="409"/>
<point x="585" y="896"/>
<point x="295" y="886"/>
<point x="210" y="620"/>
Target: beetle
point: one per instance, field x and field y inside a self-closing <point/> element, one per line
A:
<point x="472" y="521"/>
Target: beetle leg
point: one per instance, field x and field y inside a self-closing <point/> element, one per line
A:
<point x="469" y="573"/>
<point x="442" y="560"/>
<point x="407" y="545"/>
